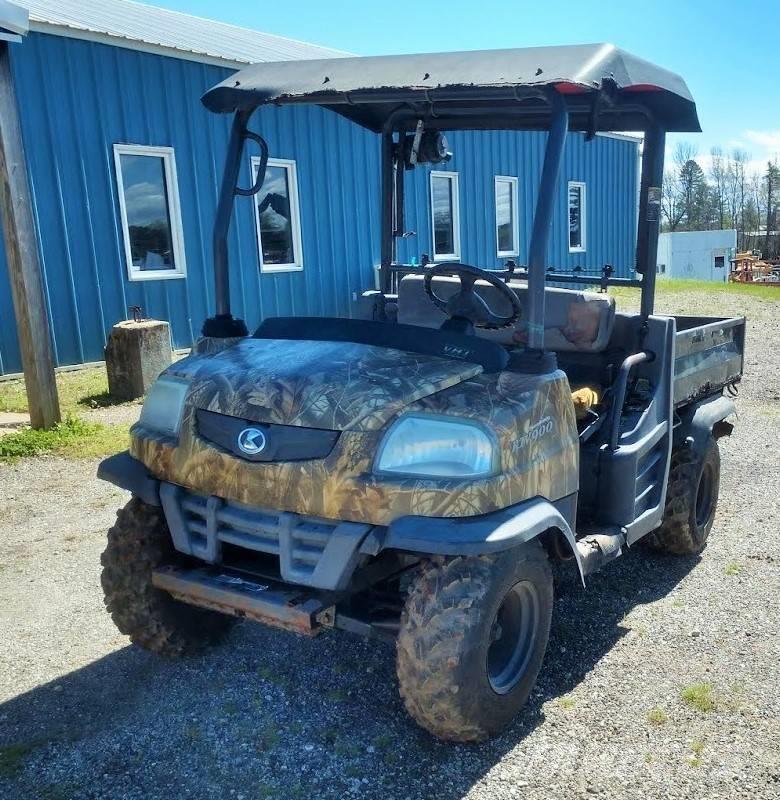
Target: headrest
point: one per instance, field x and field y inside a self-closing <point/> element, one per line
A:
<point x="573" y="321"/>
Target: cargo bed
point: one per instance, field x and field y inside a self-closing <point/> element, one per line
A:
<point x="709" y="355"/>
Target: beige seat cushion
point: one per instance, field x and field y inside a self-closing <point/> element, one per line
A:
<point x="573" y="321"/>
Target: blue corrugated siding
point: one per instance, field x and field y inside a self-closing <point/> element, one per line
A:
<point x="79" y="98"/>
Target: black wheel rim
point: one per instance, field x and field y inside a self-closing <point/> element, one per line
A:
<point x="512" y="637"/>
<point x="705" y="497"/>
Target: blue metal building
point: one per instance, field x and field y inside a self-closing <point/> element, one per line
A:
<point x="117" y="140"/>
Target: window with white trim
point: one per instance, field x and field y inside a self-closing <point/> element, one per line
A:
<point x="507" y="227"/>
<point x="150" y="212"/>
<point x="445" y="216"/>
<point x="278" y="217"/>
<point x="577" y="217"/>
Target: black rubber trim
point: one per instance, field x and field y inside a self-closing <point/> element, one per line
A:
<point x="130" y="474"/>
<point x="490" y="356"/>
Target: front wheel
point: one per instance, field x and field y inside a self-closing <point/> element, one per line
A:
<point x="473" y="636"/>
<point x="139" y="542"/>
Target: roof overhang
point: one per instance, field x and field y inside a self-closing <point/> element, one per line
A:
<point x="14" y="22"/>
<point x="604" y="88"/>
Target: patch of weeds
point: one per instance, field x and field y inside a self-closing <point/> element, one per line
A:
<point x="295" y="727"/>
<point x="192" y="733"/>
<point x="270" y="675"/>
<point x="330" y="737"/>
<point x="383" y="742"/>
<point x="297" y="792"/>
<point x="55" y="791"/>
<point x="268" y="738"/>
<point x="678" y="604"/>
<point x="697" y="748"/>
<point x="263" y="791"/>
<point x="13" y="756"/>
<point x="732" y="568"/>
<point x="72" y="438"/>
<point x="231" y="707"/>
<point x="336" y="695"/>
<point x="699" y="697"/>
<point x="657" y="716"/>
<point x="354" y="771"/>
<point x="566" y="703"/>
<point x="648" y="758"/>
<point x="346" y="749"/>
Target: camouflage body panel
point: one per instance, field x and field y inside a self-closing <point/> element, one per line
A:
<point x="337" y="386"/>
<point x="531" y="416"/>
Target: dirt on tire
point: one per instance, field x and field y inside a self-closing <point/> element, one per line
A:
<point x="681" y="533"/>
<point x="138" y="542"/>
<point x="441" y="655"/>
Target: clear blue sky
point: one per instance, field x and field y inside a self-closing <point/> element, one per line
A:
<point x="729" y="52"/>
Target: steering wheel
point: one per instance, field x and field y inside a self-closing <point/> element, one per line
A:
<point x="466" y="303"/>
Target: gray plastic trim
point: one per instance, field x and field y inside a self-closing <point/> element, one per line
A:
<point x="488" y="533"/>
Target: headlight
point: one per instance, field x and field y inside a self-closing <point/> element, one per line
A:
<point x="164" y="405"/>
<point x="436" y="447"/>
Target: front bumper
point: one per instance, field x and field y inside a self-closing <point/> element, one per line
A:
<point x="324" y="553"/>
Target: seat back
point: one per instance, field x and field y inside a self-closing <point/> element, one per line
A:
<point x="573" y="321"/>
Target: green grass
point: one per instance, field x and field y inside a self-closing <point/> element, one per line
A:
<point x="12" y="757"/>
<point x="78" y="390"/>
<point x="732" y="568"/>
<point x="657" y="716"/>
<point x="566" y="703"/>
<point x="699" y="697"/>
<point x="72" y="438"/>
<point x="667" y="287"/>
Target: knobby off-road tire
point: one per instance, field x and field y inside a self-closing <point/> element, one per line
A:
<point x="449" y="622"/>
<point x="691" y="501"/>
<point x="137" y="543"/>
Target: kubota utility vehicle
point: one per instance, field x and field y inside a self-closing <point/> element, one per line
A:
<point x="412" y="474"/>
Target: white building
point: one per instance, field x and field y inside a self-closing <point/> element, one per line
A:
<point x="699" y="255"/>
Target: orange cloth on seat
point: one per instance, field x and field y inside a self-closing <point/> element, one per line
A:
<point x="584" y="398"/>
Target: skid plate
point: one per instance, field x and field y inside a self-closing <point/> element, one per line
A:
<point x="272" y="603"/>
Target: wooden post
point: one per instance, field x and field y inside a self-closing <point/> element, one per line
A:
<point x="24" y="266"/>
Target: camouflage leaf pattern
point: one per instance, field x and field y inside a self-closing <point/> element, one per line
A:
<point x="361" y="391"/>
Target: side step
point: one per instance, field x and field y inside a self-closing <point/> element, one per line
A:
<point x="599" y="548"/>
<point x="270" y="602"/>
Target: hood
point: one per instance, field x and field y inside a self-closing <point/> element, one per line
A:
<point x="331" y="385"/>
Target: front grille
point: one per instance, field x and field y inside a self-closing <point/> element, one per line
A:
<point x="280" y="442"/>
<point x="312" y="551"/>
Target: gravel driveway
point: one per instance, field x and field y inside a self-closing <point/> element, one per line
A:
<point x="661" y="680"/>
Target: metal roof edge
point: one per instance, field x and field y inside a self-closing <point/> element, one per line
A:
<point x="139" y="45"/>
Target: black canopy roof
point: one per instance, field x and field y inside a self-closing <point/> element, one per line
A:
<point x="474" y="89"/>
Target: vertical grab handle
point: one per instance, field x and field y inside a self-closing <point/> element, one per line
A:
<point x="619" y="397"/>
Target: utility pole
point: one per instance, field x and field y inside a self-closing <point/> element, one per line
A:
<point x="21" y="241"/>
<point x="769" y="187"/>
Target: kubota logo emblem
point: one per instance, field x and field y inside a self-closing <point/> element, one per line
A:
<point x="251" y="441"/>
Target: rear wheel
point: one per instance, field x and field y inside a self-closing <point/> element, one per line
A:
<point x="691" y="501"/>
<point x="139" y="542"/>
<point x="473" y="636"/>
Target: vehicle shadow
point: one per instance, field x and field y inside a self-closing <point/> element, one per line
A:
<point x="272" y="715"/>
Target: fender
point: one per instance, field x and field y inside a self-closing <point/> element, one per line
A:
<point x="487" y="533"/>
<point x="702" y="420"/>
<point x="130" y="474"/>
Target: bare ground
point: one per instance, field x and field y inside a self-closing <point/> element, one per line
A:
<point x="84" y="715"/>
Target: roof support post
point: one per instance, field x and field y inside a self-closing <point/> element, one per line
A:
<point x="543" y="217"/>
<point x="649" y="223"/>
<point x="387" y="253"/>
<point x="223" y="325"/>
<point x="24" y="266"/>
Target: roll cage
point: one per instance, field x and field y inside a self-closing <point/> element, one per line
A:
<point x="586" y="88"/>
